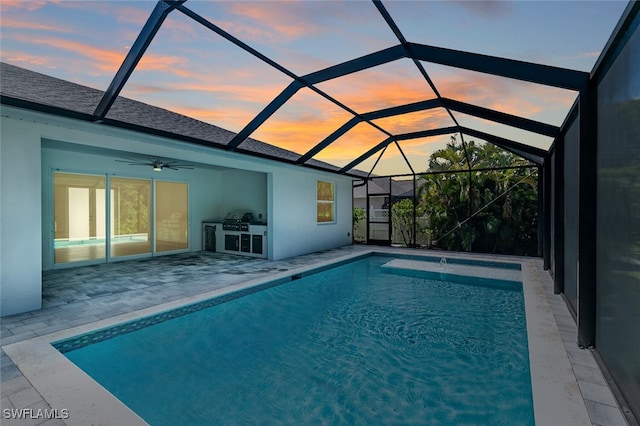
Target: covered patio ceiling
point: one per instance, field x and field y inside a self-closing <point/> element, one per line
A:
<point x="362" y="85"/>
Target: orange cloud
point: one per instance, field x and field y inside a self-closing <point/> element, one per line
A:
<point x="423" y="146"/>
<point x="417" y="152"/>
<point x="102" y="59"/>
<point x="351" y="145"/>
<point x="417" y="121"/>
<point x="302" y="132"/>
<point x="261" y="94"/>
<point x="173" y="64"/>
<point x="301" y="125"/>
<point x="394" y="84"/>
<point x="229" y="118"/>
<point x="555" y="98"/>
<point x="106" y="60"/>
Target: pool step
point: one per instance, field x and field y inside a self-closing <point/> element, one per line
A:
<point x="464" y="274"/>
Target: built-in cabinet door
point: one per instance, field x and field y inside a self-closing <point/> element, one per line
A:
<point x="245" y="243"/>
<point x="232" y="242"/>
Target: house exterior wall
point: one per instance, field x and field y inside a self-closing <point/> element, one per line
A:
<point x="293" y="219"/>
<point x="289" y="202"/>
<point x="20" y="261"/>
<point x="244" y="191"/>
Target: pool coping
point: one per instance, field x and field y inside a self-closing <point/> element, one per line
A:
<point x="556" y="396"/>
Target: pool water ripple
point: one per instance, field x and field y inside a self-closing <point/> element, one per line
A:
<point x="349" y="345"/>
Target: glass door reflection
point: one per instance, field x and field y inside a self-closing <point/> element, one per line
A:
<point x="131" y="216"/>
<point x="172" y="216"/>
<point x="79" y="217"/>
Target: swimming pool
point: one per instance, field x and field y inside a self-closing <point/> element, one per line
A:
<point x="351" y="345"/>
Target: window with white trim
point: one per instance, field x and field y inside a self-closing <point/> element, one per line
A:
<point x="326" y="201"/>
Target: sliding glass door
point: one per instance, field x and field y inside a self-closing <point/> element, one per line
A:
<point x="135" y="219"/>
<point x="131" y="215"/>
<point x="79" y="217"/>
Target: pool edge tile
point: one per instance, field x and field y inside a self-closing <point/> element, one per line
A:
<point x="556" y="395"/>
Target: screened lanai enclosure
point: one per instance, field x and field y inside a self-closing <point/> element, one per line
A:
<point x="489" y="204"/>
<point x="466" y="126"/>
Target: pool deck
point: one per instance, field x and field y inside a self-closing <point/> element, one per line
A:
<point x="81" y="297"/>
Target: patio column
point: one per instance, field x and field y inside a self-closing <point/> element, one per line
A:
<point x="586" y="304"/>
<point x="541" y="210"/>
<point x="546" y="212"/>
<point x="558" y="215"/>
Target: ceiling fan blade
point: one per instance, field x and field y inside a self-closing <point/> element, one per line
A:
<point x="157" y="163"/>
<point x="177" y="165"/>
<point x="134" y="162"/>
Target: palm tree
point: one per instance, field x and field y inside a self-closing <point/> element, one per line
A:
<point x="491" y="211"/>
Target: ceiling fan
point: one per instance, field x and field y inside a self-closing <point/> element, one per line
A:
<point x="158" y="164"/>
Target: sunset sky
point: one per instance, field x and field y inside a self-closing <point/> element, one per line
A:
<point x="193" y="71"/>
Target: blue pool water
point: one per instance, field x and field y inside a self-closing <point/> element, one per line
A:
<point x="348" y="345"/>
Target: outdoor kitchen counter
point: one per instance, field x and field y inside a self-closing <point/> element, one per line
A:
<point x="251" y="242"/>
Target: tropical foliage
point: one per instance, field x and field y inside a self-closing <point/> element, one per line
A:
<point x="491" y="211"/>
<point x="132" y="204"/>
<point x="359" y="217"/>
<point x="403" y="220"/>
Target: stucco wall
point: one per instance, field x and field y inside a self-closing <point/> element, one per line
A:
<point x="244" y="191"/>
<point x="293" y="215"/>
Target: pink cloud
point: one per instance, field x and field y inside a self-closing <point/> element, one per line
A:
<point x="29" y="5"/>
<point x="486" y="9"/>
<point x="502" y="94"/>
<point x="31" y="25"/>
<point x="27" y="60"/>
<point x="278" y="19"/>
<point x="131" y="15"/>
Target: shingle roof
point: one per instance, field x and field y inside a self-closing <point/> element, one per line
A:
<point x="33" y="90"/>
